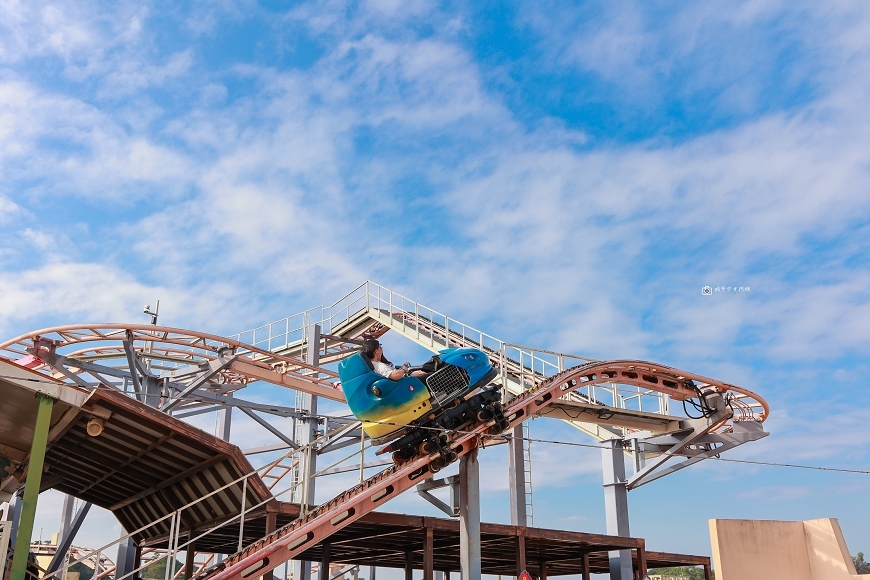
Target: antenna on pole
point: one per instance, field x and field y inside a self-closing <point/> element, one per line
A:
<point x="154" y="314"/>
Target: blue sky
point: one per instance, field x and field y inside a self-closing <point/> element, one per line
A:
<point x="564" y="175"/>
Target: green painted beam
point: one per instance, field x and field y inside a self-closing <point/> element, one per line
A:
<point x="31" y="487"/>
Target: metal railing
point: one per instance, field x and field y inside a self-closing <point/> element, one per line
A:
<point x="521" y="367"/>
<point x="176" y="531"/>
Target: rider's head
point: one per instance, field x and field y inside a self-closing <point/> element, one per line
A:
<point x="370" y="345"/>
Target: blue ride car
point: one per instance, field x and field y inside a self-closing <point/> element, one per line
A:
<point x="397" y="411"/>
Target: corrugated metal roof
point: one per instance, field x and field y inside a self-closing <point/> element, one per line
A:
<point x="145" y="465"/>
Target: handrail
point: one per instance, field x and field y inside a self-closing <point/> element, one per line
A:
<point x="521" y="366"/>
<point x="175" y="530"/>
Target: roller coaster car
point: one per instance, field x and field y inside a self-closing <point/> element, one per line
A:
<point x="414" y="416"/>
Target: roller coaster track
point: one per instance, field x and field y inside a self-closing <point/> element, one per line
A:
<point x="326" y="519"/>
<point x="171" y="364"/>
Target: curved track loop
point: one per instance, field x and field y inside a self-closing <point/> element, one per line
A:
<point x="173" y="348"/>
<point x="679" y="385"/>
<point x="294" y="538"/>
<point x="169" y="349"/>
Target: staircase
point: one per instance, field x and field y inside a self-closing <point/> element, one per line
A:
<point x="373" y="309"/>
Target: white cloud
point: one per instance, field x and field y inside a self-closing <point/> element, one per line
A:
<point x="40" y="240"/>
<point x="93" y="155"/>
<point x="399" y="10"/>
<point x="392" y="157"/>
<point x="129" y="77"/>
<point x="79" y="33"/>
<point x="538" y="228"/>
<point x="9" y="210"/>
<point x="75" y="292"/>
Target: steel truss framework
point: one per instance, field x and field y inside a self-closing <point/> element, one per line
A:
<point x="185" y="373"/>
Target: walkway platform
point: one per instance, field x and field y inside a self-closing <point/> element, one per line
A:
<point x="393" y="540"/>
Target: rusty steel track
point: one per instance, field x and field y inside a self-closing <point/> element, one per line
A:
<point x="315" y="526"/>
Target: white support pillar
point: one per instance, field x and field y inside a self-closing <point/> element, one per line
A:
<point x="469" y="516"/>
<point x="517" y="477"/>
<point x="66" y="514"/>
<point x="616" y="506"/>
<point x="225" y="419"/>
<point x="15" y="512"/>
<point x="224" y="426"/>
<point x="306" y="432"/>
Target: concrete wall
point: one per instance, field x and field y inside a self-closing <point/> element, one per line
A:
<point x="772" y="550"/>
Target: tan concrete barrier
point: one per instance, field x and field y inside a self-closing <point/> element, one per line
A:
<point x="774" y="550"/>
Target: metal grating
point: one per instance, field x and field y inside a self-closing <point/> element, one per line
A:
<point x="447" y="383"/>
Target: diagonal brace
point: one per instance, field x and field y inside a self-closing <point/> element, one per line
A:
<point x="453" y="483"/>
<point x="133" y="363"/>
<point x="65" y="543"/>
<point x="743" y="432"/>
<point x="269" y="427"/>
<point x="214" y="367"/>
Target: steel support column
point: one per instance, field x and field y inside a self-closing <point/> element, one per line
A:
<point x="616" y="505"/>
<point x="66" y="515"/>
<point x="271" y="525"/>
<point x="189" y="558"/>
<point x="409" y="565"/>
<point x="306" y="432"/>
<point x="225" y="419"/>
<point x="428" y="554"/>
<point x="31" y="486"/>
<point x="521" y="554"/>
<point x="137" y="561"/>
<point x="469" y="516"/>
<point x="14" y="515"/>
<point x="324" y="562"/>
<point x="5" y="526"/>
<point x="517" y="477"/>
<point x="126" y="562"/>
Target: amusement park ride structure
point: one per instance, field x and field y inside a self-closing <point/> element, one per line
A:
<point x="623" y="404"/>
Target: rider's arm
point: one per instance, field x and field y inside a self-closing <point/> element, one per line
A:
<point x="388" y="371"/>
<point x="396" y="374"/>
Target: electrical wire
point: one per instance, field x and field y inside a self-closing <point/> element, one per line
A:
<point x="700" y="406"/>
<point x="593" y="446"/>
<point x="565" y="443"/>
